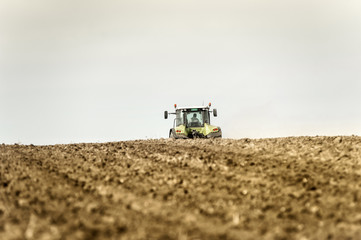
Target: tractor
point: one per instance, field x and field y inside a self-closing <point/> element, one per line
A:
<point x="193" y="122"/>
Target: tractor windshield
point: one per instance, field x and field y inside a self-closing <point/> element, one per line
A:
<point x="196" y="117"/>
<point x="192" y="117"/>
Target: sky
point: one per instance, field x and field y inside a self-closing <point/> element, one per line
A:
<point x="99" y="71"/>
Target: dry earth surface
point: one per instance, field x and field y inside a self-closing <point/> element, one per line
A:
<point x="283" y="188"/>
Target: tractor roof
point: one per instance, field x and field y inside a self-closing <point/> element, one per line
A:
<point x="183" y="108"/>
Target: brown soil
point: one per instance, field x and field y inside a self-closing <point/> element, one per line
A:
<point x="285" y="188"/>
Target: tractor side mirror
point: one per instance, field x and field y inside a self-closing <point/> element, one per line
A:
<point x="215" y="112"/>
<point x="165" y="114"/>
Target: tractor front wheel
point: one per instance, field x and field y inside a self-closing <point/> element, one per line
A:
<point x="172" y="134"/>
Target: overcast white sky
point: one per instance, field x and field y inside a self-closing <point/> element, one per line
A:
<point x="97" y="71"/>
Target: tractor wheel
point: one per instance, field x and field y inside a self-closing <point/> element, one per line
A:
<point x="172" y="134"/>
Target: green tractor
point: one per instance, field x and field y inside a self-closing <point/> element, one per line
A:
<point x="193" y="122"/>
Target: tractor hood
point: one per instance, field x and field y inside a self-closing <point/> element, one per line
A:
<point x="205" y="131"/>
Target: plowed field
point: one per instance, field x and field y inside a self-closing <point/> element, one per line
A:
<point x="282" y="188"/>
